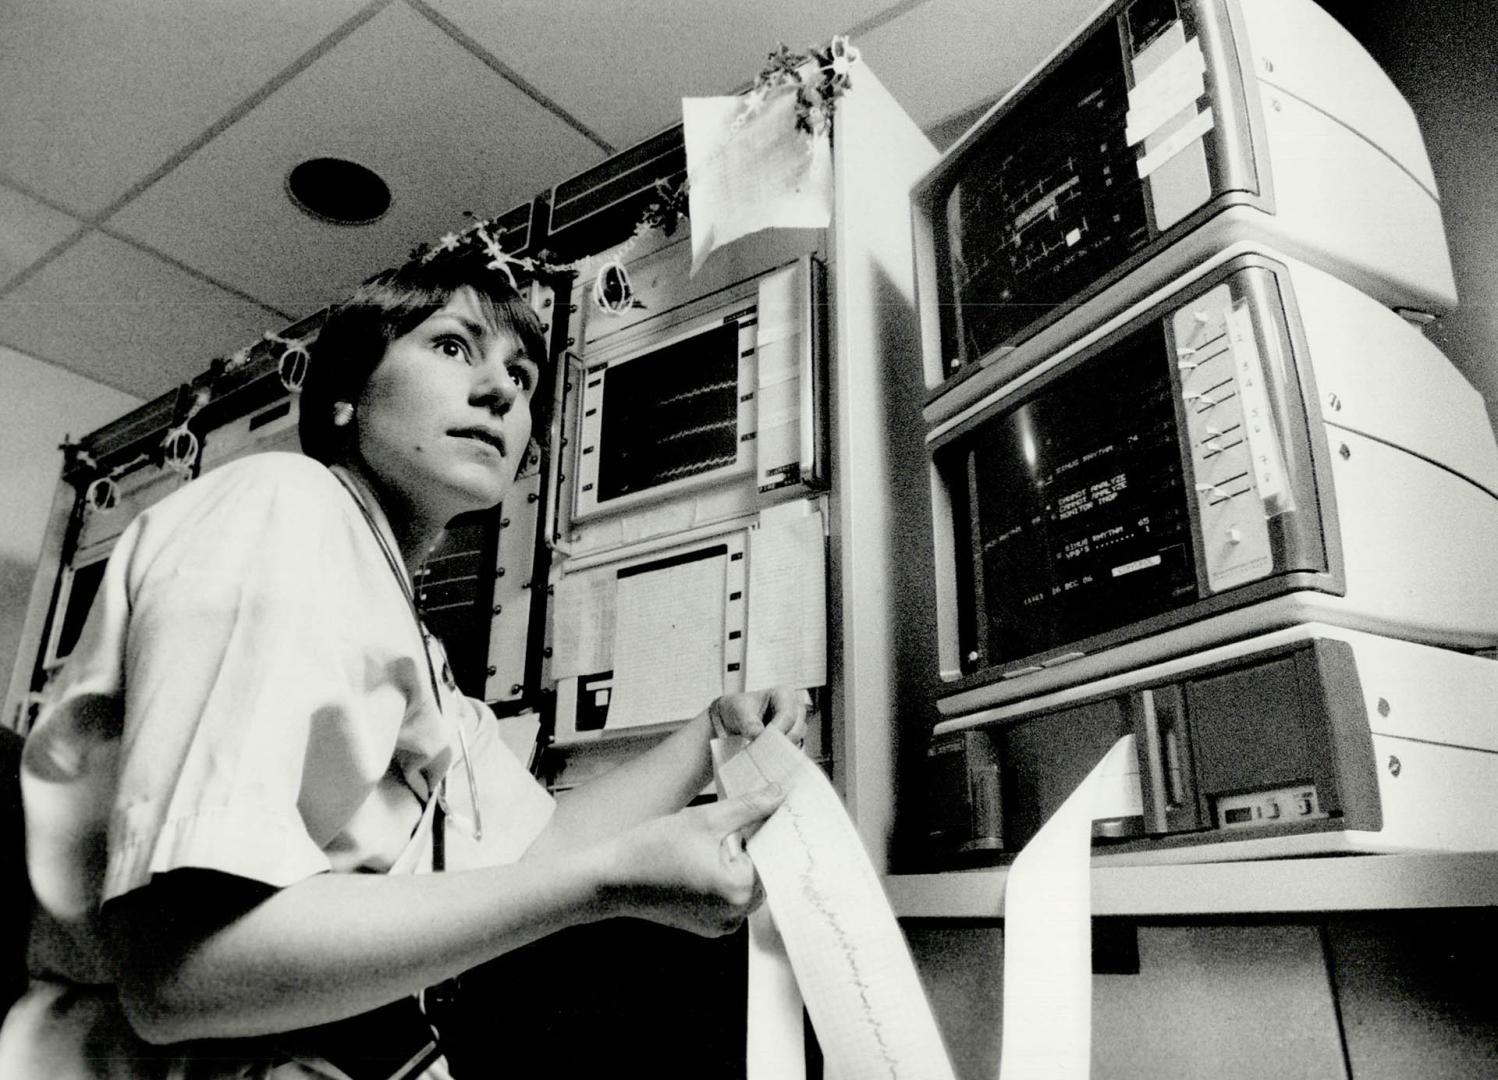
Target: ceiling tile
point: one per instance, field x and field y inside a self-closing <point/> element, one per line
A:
<point x="28" y="230"/>
<point x="124" y="318"/>
<point x="446" y="132"/>
<point x="946" y="55"/>
<point x="98" y="95"/>
<point x="623" y="68"/>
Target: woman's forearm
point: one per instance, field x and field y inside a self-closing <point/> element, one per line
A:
<point x="659" y="781"/>
<point x="336" y="945"/>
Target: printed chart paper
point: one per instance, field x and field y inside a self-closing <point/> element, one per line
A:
<point x="775" y="1043"/>
<point x="850" y="959"/>
<point x="668" y="642"/>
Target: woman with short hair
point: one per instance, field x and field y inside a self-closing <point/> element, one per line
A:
<point x="256" y="753"/>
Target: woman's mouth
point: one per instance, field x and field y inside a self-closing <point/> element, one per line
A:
<point x="492" y="439"/>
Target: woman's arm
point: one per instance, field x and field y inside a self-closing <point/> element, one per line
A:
<point x="335" y="945"/>
<point x="670" y="774"/>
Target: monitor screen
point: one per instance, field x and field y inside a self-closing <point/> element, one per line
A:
<point x="1077" y="513"/>
<point x="670" y="413"/>
<point x="1043" y="203"/>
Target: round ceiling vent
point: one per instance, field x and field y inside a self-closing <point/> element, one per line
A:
<point x="338" y="191"/>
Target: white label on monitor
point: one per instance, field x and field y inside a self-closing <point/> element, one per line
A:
<point x="783" y="420"/>
<point x="1178" y="140"/>
<point x="1175" y="85"/>
<point x="1280" y="806"/>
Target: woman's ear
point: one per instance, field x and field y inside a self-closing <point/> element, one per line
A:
<point x="531" y="460"/>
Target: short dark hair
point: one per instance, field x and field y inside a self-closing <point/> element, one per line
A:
<point x="392" y="303"/>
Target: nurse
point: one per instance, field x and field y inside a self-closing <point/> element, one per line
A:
<point x="256" y="755"/>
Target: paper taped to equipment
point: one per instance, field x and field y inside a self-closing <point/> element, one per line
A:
<point x="1175" y="85"/>
<point x="787" y="602"/>
<point x="751" y="170"/>
<point x="1177" y="141"/>
<point x="850" y="959"/>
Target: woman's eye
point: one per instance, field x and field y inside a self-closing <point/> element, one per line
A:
<point x="523" y="376"/>
<point x="454" y="347"/>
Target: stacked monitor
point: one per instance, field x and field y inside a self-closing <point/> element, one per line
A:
<point x="1199" y="479"/>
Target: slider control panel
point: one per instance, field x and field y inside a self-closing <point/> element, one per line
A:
<point x="1237" y="465"/>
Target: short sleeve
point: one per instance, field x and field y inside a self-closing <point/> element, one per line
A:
<point x="252" y="655"/>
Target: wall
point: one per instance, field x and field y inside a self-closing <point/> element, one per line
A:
<point x="42" y="405"/>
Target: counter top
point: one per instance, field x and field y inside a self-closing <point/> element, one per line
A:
<point x="1268" y="886"/>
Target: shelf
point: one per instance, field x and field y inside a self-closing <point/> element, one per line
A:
<point x="1271" y="886"/>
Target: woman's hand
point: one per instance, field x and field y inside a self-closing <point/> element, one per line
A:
<point x="749" y="714"/>
<point x="689" y="869"/>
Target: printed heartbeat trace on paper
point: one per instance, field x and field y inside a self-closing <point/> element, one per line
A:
<point x="849" y="956"/>
<point x="829" y="916"/>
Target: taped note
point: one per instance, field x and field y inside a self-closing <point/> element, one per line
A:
<point x="668" y="639"/>
<point x="752" y="170"/>
<point x="850" y="959"/>
<point x="1177" y="141"/>
<point x="1048" y="930"/>
<point x="787" y="629"/>
<point x="779" y="402"/>
<point x="779" y="360"/>
<point x="1175" y="85"/>
<point x="781" y="296"/>
<point x="582" y="624"/>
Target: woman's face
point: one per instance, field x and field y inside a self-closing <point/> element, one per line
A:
<point x="444" y="420"/>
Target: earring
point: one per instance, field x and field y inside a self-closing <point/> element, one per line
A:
<point x="343" y="414"/>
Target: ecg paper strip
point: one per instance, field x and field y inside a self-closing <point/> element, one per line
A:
<point x="850" y="959"/>
<point x="775" y="1046"/>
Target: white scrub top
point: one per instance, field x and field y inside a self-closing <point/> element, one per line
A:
<point x="249" y="695"/>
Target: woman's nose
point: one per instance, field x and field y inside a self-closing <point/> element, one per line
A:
<point x="494" y="385"/>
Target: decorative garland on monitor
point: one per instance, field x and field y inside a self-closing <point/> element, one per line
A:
<point x="817" y="78"/>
